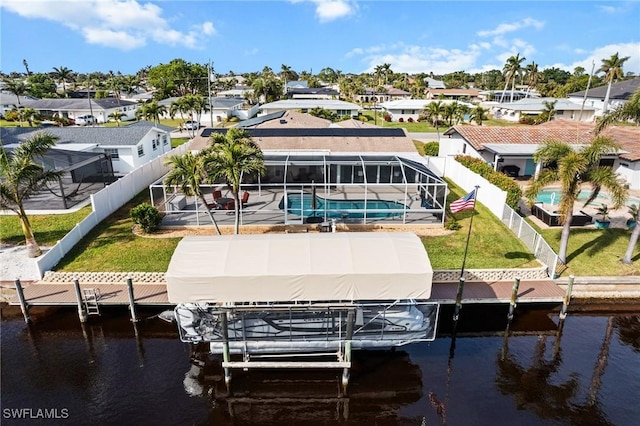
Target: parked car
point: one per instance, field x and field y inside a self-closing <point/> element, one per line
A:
<point x="191" y="125"/>
<point x="85" y="120"/>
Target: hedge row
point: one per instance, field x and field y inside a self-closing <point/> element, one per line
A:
<point x="502" y="181"/>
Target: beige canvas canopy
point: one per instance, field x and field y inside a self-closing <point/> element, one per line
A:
<point x="299" y="267"/>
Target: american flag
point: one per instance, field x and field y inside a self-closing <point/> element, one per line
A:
<point x="465" y="203"/>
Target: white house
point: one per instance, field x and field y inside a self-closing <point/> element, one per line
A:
<point x="620" y="93"/>
<point x="9" y="101"/>
<point x="515" y="146"/>
<point x="406" y="109"/>
<point x="341" y="108"/>
<point x="533" y="107"/>
<point x="72" y="108"/>
<point x="128" y="146"/>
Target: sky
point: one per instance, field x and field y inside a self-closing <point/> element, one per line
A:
<point x="346" y="35"/>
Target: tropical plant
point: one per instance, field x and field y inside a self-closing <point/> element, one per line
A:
<point x="512" y="69"/>
<point x="630" y="110"/>
<point x="603" y="212"/>
<point x="117" y="116"/>
<point x="146" y="216"/>
<point x="634" y="211"/>
<point x="573" y="169"/>
<point x="188" y="173"/>
<point x="434" y="111"/>
<point x="229" y="157"/>
<point x="21" y="177"/>
<point x="63" y="74"/>
<point x="151" y="111"/>
<point x="28" y="115"/>
<point x="18" y="88"/>
<point x="549" y="110"/>
<point x="612" y="69"/>
<point x="478" y="115"/>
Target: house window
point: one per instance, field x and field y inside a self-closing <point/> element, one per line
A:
<point x="154" y="145"/>
<point x="140" y="150"/>
<point x="112" y="153"/>
<point x="165" y="140"/>
<point x="402" y="112"/>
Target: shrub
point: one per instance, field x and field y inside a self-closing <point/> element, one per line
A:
<point x="387" y="116"/>
<point x="146" y="216"/>
<point x="400" y="120"/>
<point x="452" y="224"/>
<point x="410" y="120"/>
<point x="11" y="116"/>
<point x="502" y="181"/>
<point x="431" y="149"/>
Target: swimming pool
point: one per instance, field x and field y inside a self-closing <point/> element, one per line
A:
<point x="552" y="196"/>
<point x="301" y="204"/>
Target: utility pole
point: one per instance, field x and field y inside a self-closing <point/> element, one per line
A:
<point x="209" y="69"/>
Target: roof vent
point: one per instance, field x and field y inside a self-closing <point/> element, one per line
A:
<point x="283" y="121"/>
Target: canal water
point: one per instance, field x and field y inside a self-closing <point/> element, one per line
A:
<point x="108" y="372"/>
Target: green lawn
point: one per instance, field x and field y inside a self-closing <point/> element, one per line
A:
<point x="112" y="246"/>
<point x="175" y="142"/>
<point x="48" y="229"/>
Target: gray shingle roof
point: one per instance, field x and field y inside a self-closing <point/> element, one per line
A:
<point x="620" y="90"/>
<point x="105" y="136"/>
<point x="76" y="104"/>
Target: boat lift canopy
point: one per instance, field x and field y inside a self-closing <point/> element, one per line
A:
<point x="308" y="267"/>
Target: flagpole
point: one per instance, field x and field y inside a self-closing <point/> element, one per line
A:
<point x="466" y="247"/>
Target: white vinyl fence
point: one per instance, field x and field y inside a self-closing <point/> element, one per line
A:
<point x="495" y="200"/>
<point x="105" y="202"/>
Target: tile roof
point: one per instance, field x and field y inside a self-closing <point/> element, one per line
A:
<point x="572" y="132"/>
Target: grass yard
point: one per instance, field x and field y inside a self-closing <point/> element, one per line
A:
<point x="176" y="142"/>
<point x="48" y="229"/>
<point x="595" y="252"/>
<point x="112" y="246"/>
<point x="491" y="244"/>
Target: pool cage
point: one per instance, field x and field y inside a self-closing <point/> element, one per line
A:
<point x="317" y="187"/>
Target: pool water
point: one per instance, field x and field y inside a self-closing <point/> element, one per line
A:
<point x="552" y="196"/>
<point x="301" y="204"/>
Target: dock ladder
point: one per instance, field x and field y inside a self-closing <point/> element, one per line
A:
<point x="90" y="299"/>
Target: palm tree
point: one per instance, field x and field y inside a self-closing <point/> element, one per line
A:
<point x="21" y="177"/>
<point x="151" y="111"/>
<point x="62" y="74"/>
<point x="612" y="69"/>
<point x="17" y="87"/>
<point x="28" y="115"/>
<point x="117" y="116"/>
<point x="532" y="76"/>
<point x="575" y="168"/>
<point x="188" y="172"/>
<point x="478" y="114"/>
<point x="451" y="112"/>
<point x="630" y="110"/>
<point x="512" y="68"/>
<point x="549" y="109"/>
<point x="230" y="157"/>
<point x="433" y="112"/>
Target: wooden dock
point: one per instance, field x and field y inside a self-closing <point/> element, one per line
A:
<point x="475" y="292"/>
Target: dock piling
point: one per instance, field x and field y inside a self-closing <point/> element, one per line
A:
<point x="567" y="298"/>
<point x="512" y="301"/>
<point x="132" y="300"/>
<point x="347" y="350"/>
<point x="456" y="312"/>
<point x="225" y="348"/>
<point x="23" y="303"/>
<point x="82" y="314"/>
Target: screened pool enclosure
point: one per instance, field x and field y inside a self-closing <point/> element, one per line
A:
<point x="318" y="187"/>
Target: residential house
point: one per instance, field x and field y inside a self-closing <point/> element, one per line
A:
<point x="434" y="84"/>
<point x="515" y="146"/>
<point x="453" y="94"/>
<point x="9" y="101"/>
<point x="410" y="109"/>
<point x="620" y="93"/>
<point x="389" y="94"/>
<point x="72" y="108"/>
<point x="128" y="146"/>
<point x="312" y="93"/>
<point x="497" y="95"/>
<point x="341" y="108"/>
<point x="533" y="107"/>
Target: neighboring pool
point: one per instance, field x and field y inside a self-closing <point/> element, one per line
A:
<point x="552" y="196"/>
<point x="300" y="204"/>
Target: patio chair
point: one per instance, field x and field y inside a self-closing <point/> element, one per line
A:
<point x="217" y="194"/>
<point x="245" y="199"/>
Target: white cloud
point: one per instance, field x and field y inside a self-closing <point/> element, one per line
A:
<point x="416" y="59"/>
<point x="598" y="54"/>
<point x="610" y="9"/>
<point x="505" y="28"/>
<point x="251" y="52"/>
<point x="120" y="24"/>
<point x="330" y="10"/>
